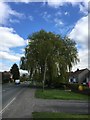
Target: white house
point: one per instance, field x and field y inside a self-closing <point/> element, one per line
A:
<point x="80" y="76"/>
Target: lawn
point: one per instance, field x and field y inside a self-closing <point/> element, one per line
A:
<point x="59" y="94"/>
<point x="48" y="115"/>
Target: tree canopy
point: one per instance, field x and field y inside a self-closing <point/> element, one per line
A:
<point x="15" y="71"/>
<point x="48" y="57"/>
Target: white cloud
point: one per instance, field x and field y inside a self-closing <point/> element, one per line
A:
<point x="49" y="18"/>
<point x="25" y="1"/>
<point x="23" y="50"/>
<point x="9" y="56"/>
<point x="4" y="15"/>
<point x="30" y="18"/>
<point x="10" y="39"/>
<point x="53" y="3"/>
<point x="58" y="13"/>
<point x="7" y="12"/>
<point x="80" y="35"/>
<point x="58" y="22"/>
<point x="80" y="32"/>
<point x="83" y="55"/>
<point x="14" y="21"/>
<point x="57" y="3"/>
<point x="84" y="8"/>
<point x="46" y="16"/>
<point x="66" y="13"/>
<point x="4" y="67"/>
<point x="15" y="13"/>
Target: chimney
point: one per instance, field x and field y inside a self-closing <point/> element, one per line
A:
<point x="77" y="69"/>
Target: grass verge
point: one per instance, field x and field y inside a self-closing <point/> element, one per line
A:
<point x="48" y="115"/>
<point x="59" y="94"/>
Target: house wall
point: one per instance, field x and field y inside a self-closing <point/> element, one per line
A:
<point x="83" y="75"/>
<point x="73" y="79"/>
<point x="5" y="77"/>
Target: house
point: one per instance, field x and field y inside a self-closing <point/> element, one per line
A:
<point x="6" y="77"/>
<point x="23" y="72"/>
<point x="80" y="76"/>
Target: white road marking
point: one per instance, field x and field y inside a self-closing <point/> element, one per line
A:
<point x="11" y="101"/>
<point x="7" y="105"/>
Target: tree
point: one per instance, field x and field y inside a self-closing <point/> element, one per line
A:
<point x="23" y="63"/>
<point x="50" y="56"/>
<point x="15" y="71"/>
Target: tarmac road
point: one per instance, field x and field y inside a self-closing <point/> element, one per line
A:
<point x="19" y="102"/>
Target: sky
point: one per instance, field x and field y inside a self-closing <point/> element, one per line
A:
<point x="21" y="18"/>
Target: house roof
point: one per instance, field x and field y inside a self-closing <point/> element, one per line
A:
<point x="77" y="72"/>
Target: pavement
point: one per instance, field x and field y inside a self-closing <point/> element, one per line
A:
<point x="19" y="102"/>
<point x="64" y="106"/>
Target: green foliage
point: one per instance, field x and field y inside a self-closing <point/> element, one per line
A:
<point x="23" y="63"/>
<point x="37" y="77"/>
<point x="15" y="71"/>
<point x="58" y="116"/>
<point x="23" y="78"/>
<point x="73" y="86"/>
<point x="48" y="57"/>
<point x="60" y="94"/>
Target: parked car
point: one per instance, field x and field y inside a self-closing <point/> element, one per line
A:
<point x="17" y="81"/>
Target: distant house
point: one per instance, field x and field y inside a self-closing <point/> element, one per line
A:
<point x="23" y="72"/>
<point x="6" y="77"/>
<point x="80" y="76"/>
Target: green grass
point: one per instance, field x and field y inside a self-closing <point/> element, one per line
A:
<point x="48" y="115"/>
<point x="59" y="94"/>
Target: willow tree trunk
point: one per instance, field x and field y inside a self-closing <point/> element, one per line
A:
<point x="44" y="76"/>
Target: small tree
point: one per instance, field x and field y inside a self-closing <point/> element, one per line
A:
<point x="15" y="71"/>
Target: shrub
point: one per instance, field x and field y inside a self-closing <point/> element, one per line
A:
<point x="73" y="86"/>
<point x="23" y="78"/>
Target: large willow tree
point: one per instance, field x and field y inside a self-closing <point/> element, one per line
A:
<point x="48" y="56"/>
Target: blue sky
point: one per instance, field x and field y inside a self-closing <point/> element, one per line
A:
<point x="20" y="19"/>
<point x="37" y="16"/>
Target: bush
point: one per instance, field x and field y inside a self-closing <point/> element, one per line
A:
<point x="23" y="78"/>
<point x="80" y="88"/>
<point x="73" y="86"/>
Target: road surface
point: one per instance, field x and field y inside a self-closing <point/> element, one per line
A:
<point x="19" y="102"/>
